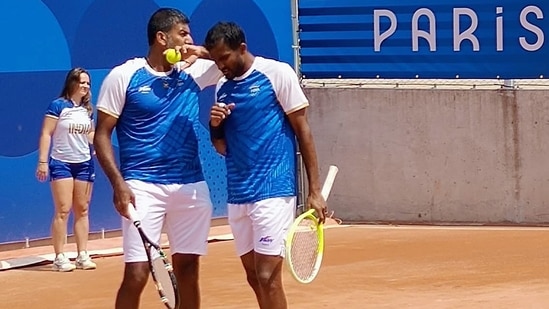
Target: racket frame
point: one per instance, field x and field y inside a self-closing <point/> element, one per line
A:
<point x="320" y="248"/>
<point x="148" y="244"/>
<point x="309" y="214"/>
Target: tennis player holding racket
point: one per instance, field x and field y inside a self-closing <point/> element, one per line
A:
<point x="261" y="109"/>
<point x="154" y="109"/>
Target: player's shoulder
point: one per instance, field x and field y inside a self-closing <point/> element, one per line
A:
<point x="270" y="66"/>
<point x="57" y="106"/>
<point x="204" y="62"/>
<point x="60" y="103"/>
<point x="199" y="67"/>
<point x="131" y="64"/>
<point x="272" y="63"/>
<point x="128" y="68"/>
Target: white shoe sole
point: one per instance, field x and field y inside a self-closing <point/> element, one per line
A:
<point x="63" y="270"/>
<point x="86" y="267"/>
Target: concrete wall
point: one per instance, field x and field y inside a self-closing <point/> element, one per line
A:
<point x="435" y="156"/>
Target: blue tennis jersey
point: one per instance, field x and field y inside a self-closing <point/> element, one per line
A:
<point x="261" y="144"/>
<point x="157" y="119"/>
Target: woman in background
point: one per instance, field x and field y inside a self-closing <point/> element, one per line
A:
<point x="68" y="128"/>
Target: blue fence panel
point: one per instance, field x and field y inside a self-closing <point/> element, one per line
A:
<point x="426" y="39"/>
<point x="97" y="35"/>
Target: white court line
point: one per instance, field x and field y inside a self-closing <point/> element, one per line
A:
<point x="38" y="259"/>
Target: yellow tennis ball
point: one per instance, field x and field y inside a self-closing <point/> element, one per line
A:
<point x="173" y="56"/>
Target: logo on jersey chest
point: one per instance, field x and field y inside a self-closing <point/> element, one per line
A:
<point x="144" y="89"/>
<point x="239" y="94"/>
<point x="254" y="90"/>
<point x="166" y="82"/>
<point x="222" y="97"/>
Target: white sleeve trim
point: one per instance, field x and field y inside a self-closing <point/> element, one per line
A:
<point x="107" y="112"/>
<point x="295" y="109"/>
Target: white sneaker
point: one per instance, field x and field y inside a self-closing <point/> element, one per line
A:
<point x="84" y="261"/>
<point x="62" y="263"/>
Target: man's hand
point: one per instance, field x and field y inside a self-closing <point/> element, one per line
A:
<point x="316" y="201"/>
<point x="123" y="198"/>
<point x="189" y="50"/>
<point x="186" y="59"/>
<point x="219" y="112"/>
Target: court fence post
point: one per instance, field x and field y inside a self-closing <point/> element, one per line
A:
<point x="509" y="84"/>
<point x="301" y="194"/>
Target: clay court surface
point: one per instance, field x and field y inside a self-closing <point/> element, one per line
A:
<point x="364" y="267"/>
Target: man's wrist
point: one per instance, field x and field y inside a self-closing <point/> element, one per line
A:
<point x="190" y="60"/>
<point x="204" y="53"/>
<point x="315" y="190"/>
<point x="118" y="182"/>
<point x="217" y="132"/>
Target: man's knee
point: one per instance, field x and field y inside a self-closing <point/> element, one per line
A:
<point x="136" y="275"/>
<point x="268" y="272"/>
<point x="186" y="265"/>
<point x="251" y="277"/>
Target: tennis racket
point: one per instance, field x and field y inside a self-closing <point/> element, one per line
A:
<point x="305" y="239"/>
<point x="160" y="266"/>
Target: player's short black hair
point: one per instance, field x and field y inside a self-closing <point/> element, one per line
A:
<point x="163" y="20"/>
<point x="227" y="32"/>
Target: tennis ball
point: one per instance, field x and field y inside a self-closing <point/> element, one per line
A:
<point x="173" y="56"/>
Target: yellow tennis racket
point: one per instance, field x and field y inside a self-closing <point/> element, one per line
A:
<point x="305" y="239"/>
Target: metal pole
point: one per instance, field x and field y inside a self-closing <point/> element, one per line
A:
<point x="300" y="204"/>
<point x="509" y="83"/>
<point x="295" y="37"/>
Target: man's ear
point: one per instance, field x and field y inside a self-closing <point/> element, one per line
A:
<point x="243" y="48"/>
<point x="162" y="38"/>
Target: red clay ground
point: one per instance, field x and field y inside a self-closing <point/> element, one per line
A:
<point x="364" y="267"/>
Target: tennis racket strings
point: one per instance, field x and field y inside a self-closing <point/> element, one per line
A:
<point x="304" y="248"/>
<point x="162" y="269"/>
<point x="159" y="264"/>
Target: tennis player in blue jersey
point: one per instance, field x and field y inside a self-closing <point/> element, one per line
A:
<point x="261" y="110"/>
<point x="154" y="109"/>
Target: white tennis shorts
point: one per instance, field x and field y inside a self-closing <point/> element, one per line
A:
<point x="183" y="211"/>
<point x="262" y="226"/>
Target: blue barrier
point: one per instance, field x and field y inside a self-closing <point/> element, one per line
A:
<point x="97" y="35"/>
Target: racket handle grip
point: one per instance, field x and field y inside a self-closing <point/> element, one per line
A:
<point x="132" y="213"/>
<point x="329" y="182"/>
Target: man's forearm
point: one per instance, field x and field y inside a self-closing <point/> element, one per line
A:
<point x="220" y="146"/>
<point x="217" y="136"/>
<point x="105" y="156"/>
<point x="203" y="53"/>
